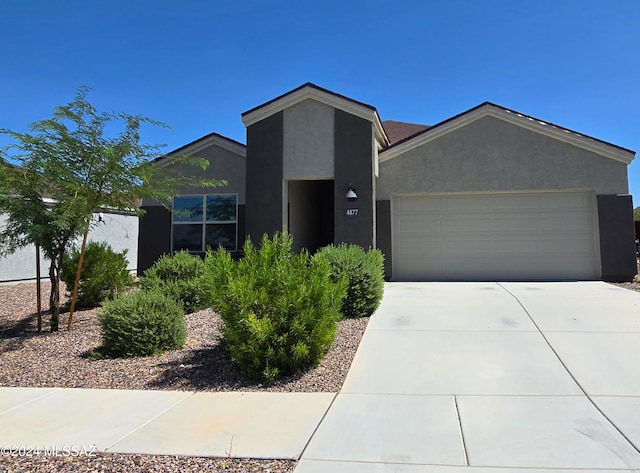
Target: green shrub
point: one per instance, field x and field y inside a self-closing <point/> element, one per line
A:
<point x="364" y="273"/>
<point x="141" y="324"/>
<point x="180" y="276"/>
<point x="280" y="310"/>
<point x="104" y="273"/>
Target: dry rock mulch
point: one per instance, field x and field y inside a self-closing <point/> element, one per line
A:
<point x="62" y="359"/>
<point x="113" y="462"/>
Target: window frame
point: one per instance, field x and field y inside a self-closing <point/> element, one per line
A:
<point x="203" y="222"/>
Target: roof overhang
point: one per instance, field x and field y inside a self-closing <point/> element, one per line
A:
<point x="313" y="92"/>
<point x="195" y="147"/>
<point x="487" y="109"/>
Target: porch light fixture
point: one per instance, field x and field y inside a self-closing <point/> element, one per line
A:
<point x="351" y="195"/>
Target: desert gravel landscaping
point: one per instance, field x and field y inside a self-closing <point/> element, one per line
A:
<point x="61" y="359"/>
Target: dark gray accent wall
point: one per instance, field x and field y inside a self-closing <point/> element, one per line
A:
<point x="353" y="165"/>
<point x="383" y="233"/>
<point x="242" y="230"/>
<point x="617" y="237"/>
<point x="154" y="236"/>
<point x="264" y="177"/>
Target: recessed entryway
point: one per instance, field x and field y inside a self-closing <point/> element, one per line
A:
<point x="310" y="213"/>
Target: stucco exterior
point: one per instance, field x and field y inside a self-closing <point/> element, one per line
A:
<point x="306" y="148"/>
<point x="227" y="161"/>
<point x="308" y="144"/>
<point x="492" y="155"/>
<point x="118" y="230"/>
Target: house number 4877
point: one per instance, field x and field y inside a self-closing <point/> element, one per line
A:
<point x="352" y="212"/>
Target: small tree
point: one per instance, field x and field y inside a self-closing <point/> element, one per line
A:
<point x="67" y="169"/>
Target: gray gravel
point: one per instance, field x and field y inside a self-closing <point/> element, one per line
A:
<point x="142" y="463"/>
<point x="32" y="359"/>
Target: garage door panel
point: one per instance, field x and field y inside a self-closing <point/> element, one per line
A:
<point x="467" y="225"/>
<point x="465" y="204"/>
<point x="410" y="248"/>
<point x="417" y="205"/>
<point x="419" y="225"/>
<point x="521" y="236"/>
<point x="466" y="247"/>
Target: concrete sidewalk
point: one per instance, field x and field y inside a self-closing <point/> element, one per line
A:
<point x="467" y="377"/>
<point x="449" y="378"/>
<point x="242" y="425"/>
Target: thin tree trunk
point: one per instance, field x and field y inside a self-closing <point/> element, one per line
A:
<point x="38" y="288"/>
<point x="54" y="298"/>
<point x="77" y="282"/>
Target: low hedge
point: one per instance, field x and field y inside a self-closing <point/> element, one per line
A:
<point x="363" y="272"/>
<point x="103" y="275"/>
<point x="181" y="276"/>
<point x="141" y="323"/>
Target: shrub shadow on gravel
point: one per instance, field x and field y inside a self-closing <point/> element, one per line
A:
<point x="23" y="327"/>
<point x="211" y="369"/>
<point x="14" y="333"/>
<point x="207" y="369"/>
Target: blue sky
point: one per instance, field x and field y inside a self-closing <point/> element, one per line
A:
<point x="198" y="64"/>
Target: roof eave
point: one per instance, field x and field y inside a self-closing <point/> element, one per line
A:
<point x="313" y="92"/>
<point x="200" y="144"/>
<point x="603" y="148"/>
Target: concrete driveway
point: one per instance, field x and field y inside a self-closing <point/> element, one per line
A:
<point x="465" y="377"/>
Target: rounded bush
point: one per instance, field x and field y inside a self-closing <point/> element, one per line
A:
<point x="364" y="274"/>
<point x="181" y="276"/>
<point x="141" y="324"/>
<point x="103" y="275"/>
<point x="280" y="310"/>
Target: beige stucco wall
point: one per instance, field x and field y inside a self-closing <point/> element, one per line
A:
<point x="308" y="141"/>
<point x="492" y="155"/>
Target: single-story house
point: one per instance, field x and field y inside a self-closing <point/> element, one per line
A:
<point x="489" y="194"/>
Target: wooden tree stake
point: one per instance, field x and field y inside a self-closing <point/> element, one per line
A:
<point x="77" y="283"/>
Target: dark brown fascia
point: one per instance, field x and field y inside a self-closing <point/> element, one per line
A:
<point x="510" y="111"/>
<point x="313" y="86"/>
<point x="177" y="151"/>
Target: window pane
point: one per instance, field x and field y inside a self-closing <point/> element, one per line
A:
<point x="221" y="208"/>
<point x="187" y="237"/>
<point x="187" y="208"/>
<point x="221" y="234"/>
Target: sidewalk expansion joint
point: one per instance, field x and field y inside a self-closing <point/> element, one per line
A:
<point x="464" y="443"/>
<point x="544" y="337"/>
<point x="306" y="445"/>
<point x="159" y="414"/>
<point x="54" y="390"/>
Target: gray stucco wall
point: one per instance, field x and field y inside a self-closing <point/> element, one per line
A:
<point x="118" y="230"/>
<point x="264" y="177"/>
<point x="308" y="146"/>
<point x="617" y="234"/>
<point x="383" y="234"/>
<point x="492" y="155"/>
<point x="223" y="164"/>
<point x="155" y="225"/>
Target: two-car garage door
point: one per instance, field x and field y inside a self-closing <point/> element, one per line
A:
<point x="489" y="237"/>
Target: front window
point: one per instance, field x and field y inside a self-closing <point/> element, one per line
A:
<point x="201" y="222"/>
